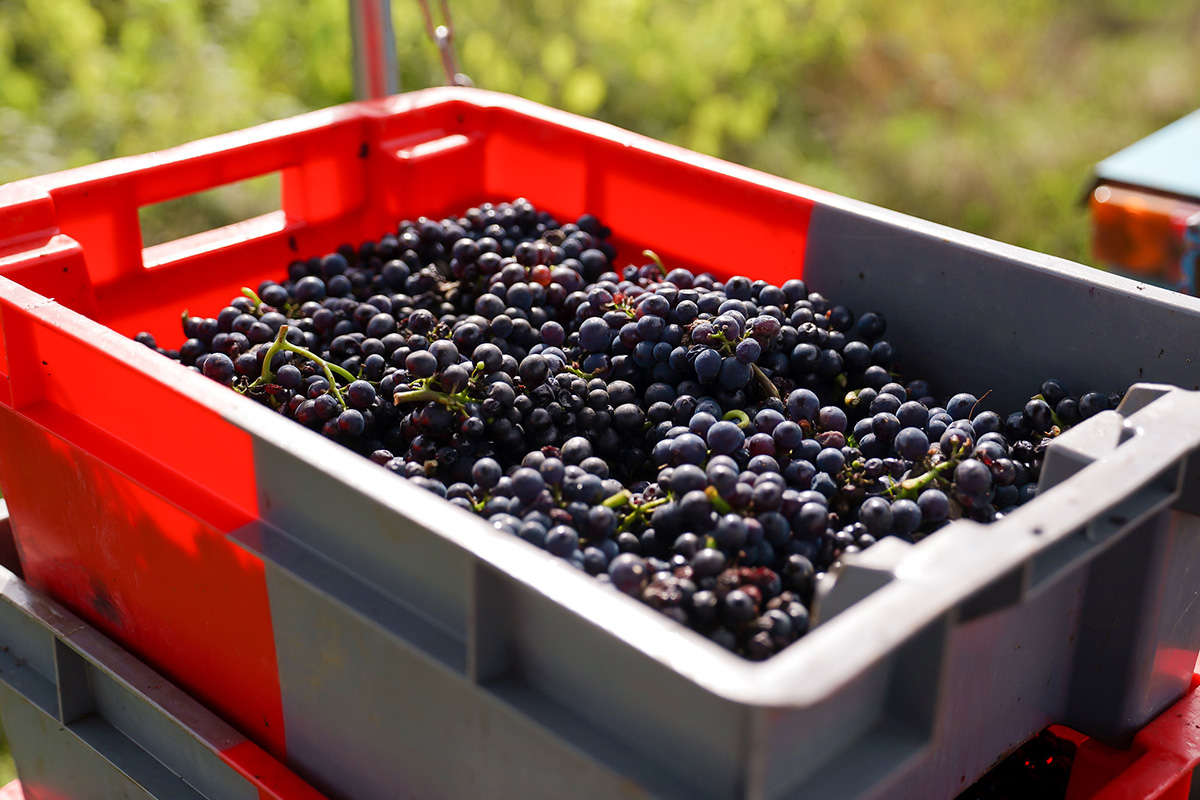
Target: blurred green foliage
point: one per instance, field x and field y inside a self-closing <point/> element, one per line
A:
<point x="986" y="117"/>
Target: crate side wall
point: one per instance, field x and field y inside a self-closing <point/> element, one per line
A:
<point x="152" y="575"/>
<point x="969" y="315"/>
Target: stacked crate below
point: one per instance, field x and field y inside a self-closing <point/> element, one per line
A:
<point x="85" y="720"/>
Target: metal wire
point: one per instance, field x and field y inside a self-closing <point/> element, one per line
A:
<point x="443" y="37"/>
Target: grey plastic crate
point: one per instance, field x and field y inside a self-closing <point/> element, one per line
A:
<point x="87" y="721"/>
<point x="506" y="673"/>
<point x="448" y="660"/>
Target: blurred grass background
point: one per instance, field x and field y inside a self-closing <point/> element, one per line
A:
<point x="982" y="116"/>
<point x="986" y="117"/>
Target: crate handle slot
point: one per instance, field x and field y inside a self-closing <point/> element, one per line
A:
<point x="270" y="221"/>
<point x="415" y="148"/>
<point x="323" y="159"/>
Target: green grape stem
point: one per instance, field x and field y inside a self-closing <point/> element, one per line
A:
<point x="639" y="512"/>
<point x="456" y="401"/>
<point x="741" y="418"/>
<point x="653" y="256"/>
<point x="719" y="503"/>
<point x="253" y="295"/>
<point x="280" y="344"/>
<point x="624" y="308"/>
<point x="912" y="487"/>
<point x="618" y="500"/>
<point x="587" y="376"/>
<point x="727" y="345"/>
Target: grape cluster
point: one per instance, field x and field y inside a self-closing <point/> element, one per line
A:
<point x="710" y="447"/>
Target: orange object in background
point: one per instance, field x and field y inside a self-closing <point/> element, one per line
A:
<point x="1142" y="202"/>
<point x="1140" y="232"/>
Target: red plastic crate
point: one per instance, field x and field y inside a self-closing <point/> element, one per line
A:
<point x="1158" y="766"/>
<point x="135" y="476"/>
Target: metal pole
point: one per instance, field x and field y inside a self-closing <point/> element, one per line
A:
<point x="374" y="49"/>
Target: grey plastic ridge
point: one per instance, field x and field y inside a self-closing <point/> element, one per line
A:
<point x="1141" y="395"/>
<point x="857" y="576"/>
<point x="977" y="557"/>
<point x="1080" y="446"/>
<point x="371" y="604"/>
<point x="967" y="574"/>
<point x="140" y="727"/>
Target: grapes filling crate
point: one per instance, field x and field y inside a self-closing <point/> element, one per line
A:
<point x="381" y="641"/>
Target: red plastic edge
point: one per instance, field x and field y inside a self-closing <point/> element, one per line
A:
<point x="1158" y="766"/>
<point x="273" y="780"/>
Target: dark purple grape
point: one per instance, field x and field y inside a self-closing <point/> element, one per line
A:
<point x="906" y="517"/>
<point x="1092" y="404"/>
<point x="738" y="607"/>
<point x="876" y="514"/>
<point x="628" y="573"/>
<point x="802" y="404"/>
<point x="360" y="394"/>
<point x="1054" y="391"/>
<point x="832" y="418"/>
<point x="1038" y="416"/>
<point x="934" y="505"/>
<point x="527" y="484"/>
<point x="911" y="444"/>
<point x="219" y="367"/>
<point x="972" y="477"/>
<point x="725" y="437"/>
<point x="562" y="541"/>
<point x="310" y="289"/>
<point x="351" y="422"/>
<point x="486" y="473"/>
<point x="748" y="351"/>
<point x="1068" y="411"/>
<point x="960" y="406"/>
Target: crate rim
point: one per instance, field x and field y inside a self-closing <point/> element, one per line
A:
<point x="24" y="189"/>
